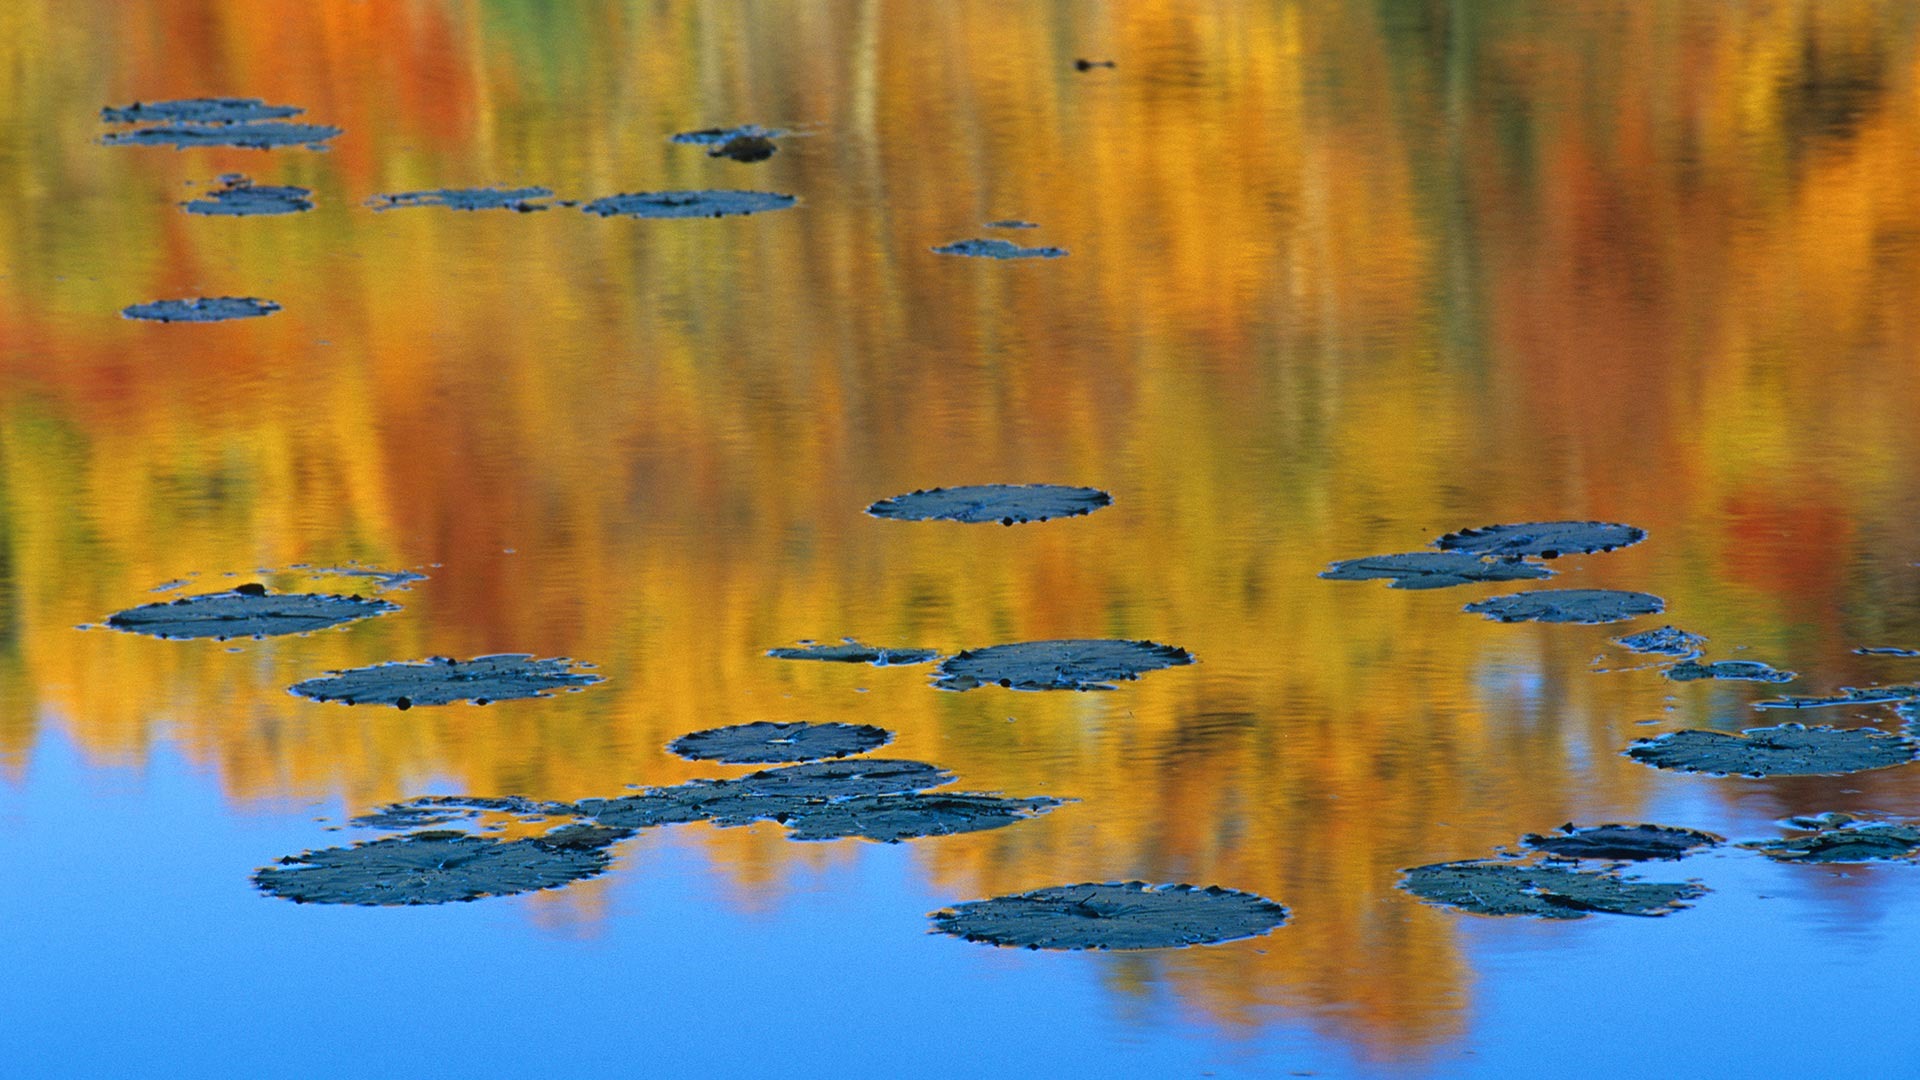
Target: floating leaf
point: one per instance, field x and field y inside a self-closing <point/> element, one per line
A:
<point x="1542" y="539"/>
<point x="521" y="199"/>
<point x="1741" y="670"/>
<point x="770" y="794"/>
<point x="441" y="681"/>
<point x="1633" y="842"/>
<point x="852" y="652"/>
<point x="744" y="148"/>
<point x="435" y="868"/>
<point x="1786" y="750"/>
<point x="204" y="309"/>
<point x="1495" y="887"/>
<point x="1666" y="641"/>
<point x="382" y="579"/>
<point x="688" y="204"/>
<point x="720" y="136"/>
<point x="245" y="613"/>
<point x="765" y="741"/>
<point x="1058" y="665"/>
<point x="998" y="249"/>
<point x="1870" y="695"/>
<point x="1885" y="650"/>
<point x="1433" y="569"/>
<point x="198" y="111"/>
<point x="1011" y="223"/>
<point x="241" y="197"/>
<point x="1568" y="606"/>
<point x="893" y="818"/>
<point x="1113" y="915"/>
<point x="1850" y="842"/>
<point x="1008" y="504"/>
<point x="254" y="136"/>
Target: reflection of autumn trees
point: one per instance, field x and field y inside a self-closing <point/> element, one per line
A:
<point x="1340" y="281"/>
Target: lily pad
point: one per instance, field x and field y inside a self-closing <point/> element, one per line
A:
<point x="770" y="794"/>
<point x="1852" y="842"/>
<point x="893" y="818"/>
<point x="245" y="613"/>
<point x="1433" y="569"/>
<point x="198" y="111"/>
<point x="720" y="136"/>
<point x="241" y="197"/>
<point x="1739" y="670"/>
<point x="1495" y="887"/>
<point x="425" y="809"/>
<point x="852" y="652"/>
<point x="1568" y="606"/>
<point x="1666" y="641"/>
<point x="1786" y="750"/>
<point x="998" y="249"/>
<point x="382" y="579"/>
<point x="1885" y="650"/>
<point x="1542" y="539"/>
<point x="441" y="681"/>
<point x="1633" y="842"/>
<point x="1868" y="695"/>
<point x="980" y="504"/>
<point x="744" y="148"/>
<point x="520" y="199"/>
<point x="204" y="309"/>
<point x="1058" y="665"/>
<point x="434" y="868"/>
<point x="1113" y="915"/>
<point x="1012" y="223"/>
<point x="688" y="204"/>
<point x="253" y="136"/>
<point x="765" y="741"/>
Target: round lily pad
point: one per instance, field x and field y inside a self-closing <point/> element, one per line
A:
<point x="251" y="136"/>
<point x="1568" y="606"/>
<point x="1058" y="665"/>
<point x="1433" y="569"/>
<point x="765" y="741"/>
<point x="432" y="868"/>
<point x="908" y="816"/>
<point x="240" y="197"/>
<point x="770" y="794"/>
<point x="245" y="612"/>
<point x="1786" y="750"/>
<point x="198" y="111"/>
<point x="980" y="504"/>
<point x="1542" y="539"/>
<point x="1738" y="670"/>
<point x="1666" y="641"/>
<point x="688" y="204"/>
<point x="852" y="652"/>
<point x="1113" y="915"/>
<point x="998" y="249"/>
<point x="1852" y="842"/>
<point x="441" y="681"/>
<point x="1494" y="887"/>
<point x="522" y="199"/>
<point x="201" y="310"/>
<point x="1632" y="842"/>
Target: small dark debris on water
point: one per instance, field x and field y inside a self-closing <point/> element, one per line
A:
<point x="246" y="611"/>
<point x="891" y="819"/>
<point x="1433" y="569"/>
<point x="1666" y="641"/>
<point x="1543" y="539"/>
<point x="436" y="867"/>
<point x="241" y="197"/>
<point x="981" y="504"/>
<point x="688" y="204"/>
<point x="1011" y="223"/>
<point x="744" y="148"/>
<point x="1631" y="842"/>
<point x="523" y="200"/>
<point x="1737" y="670"/>
<point x="765" y="742"/>
<point x="266" y="135"/>
<point x="1083" y="64"/>
<point x="720" y="136"/>
<point x="1885" y="650"/>
<point x="852" y="652"/>
<point x="202" y="310"/>
<point x="441" y="681"/>
<point x="998" y="249"/>
<point x="1568" y="606"/>
<point x="1086" y="664"/>
<point x="1848" y="695"/>
<point x="1847" y="840"/>
<point x="1785" y="750"/>
<point x="1117" y="915"/>
<point x="198" y="111"/>
<point x="1498" y="887"/>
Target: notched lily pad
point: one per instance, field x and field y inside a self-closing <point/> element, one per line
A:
<point x="1568" y="606"/>
<point x="435" y="868"/>
<point x="1666" y="641"/>
<point x="265" y="135"/>
<point x="1093" y="664"/>
<point x="893" y="818"/>
<point x="202" y="310"/>
<point x="241" y="197"/>
<point x="852" y="652"/>
<point x="1848" y="695"/>
<point x="524" y="200"/>
<point x="441" y="681"/>
<point x="688" y="204"/>
<point x="1631" y="842"/>
<point x="1433" y="569"/>
<point x="198" y="111"/>
<point x="1786" y="750"/>
<point x="244" y="612"/>
<point x="1738" y="670"/>
<point x="980" y="504"/>
<point x="764" y="742"/>
<point x="1496" y="887"/>
<point x="998" y="249"/>
<point x="1113" y="915"/>
<point x="1542" y="539"/>
<point x="1848" y="842"/>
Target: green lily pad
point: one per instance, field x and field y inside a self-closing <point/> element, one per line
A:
<point x="265" y="135"/>
<point x="852" y="652"/>
<point x="1496" y="887"/>
<point x="1568" y="606"/>
<point x="1542" y="539"/>
<point x="980" y="504"/>
<point x="1869" y="695"/>
<point x="435" y="868"/>
<point x="245" y="612"/>
<point x="1666" y="641"/>
<point x="441" y="681"/>
<point x="198" y="111"/>
<point x="201" y="310"/>
<point x="240" y="197"/>
<point x="1094" y="664"/>
<point x="524" y="199"/>
<point x="688" y="204"/>
<point x="1852" y="842"/>
<point x="1741" y="670"/>
<point x="1433" y="569"/>
<point x="1113" y="915"/>
<point x="1631" y="842"/>
<point x="764" y="742"/>
<point x="998" y="249"/>
<point x="908" y="816"/>
<point x="1786" y="750"/>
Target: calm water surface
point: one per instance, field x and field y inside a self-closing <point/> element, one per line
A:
<point x="1344" y="276"/>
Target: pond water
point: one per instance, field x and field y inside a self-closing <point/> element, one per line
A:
<point x="1345" y="277"/>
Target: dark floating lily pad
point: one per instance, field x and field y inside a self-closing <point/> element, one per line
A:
<point x="1739" y="670"/>
<point x="1634" y="842"/>
<point x="524" y="200"/>
<point x="440" y="809"/>
<point x="436" y="868"/>
<point x="1433" y="569"/>
<point x="400" y="817"/>
<point x="893" y="818"/>
<point x="1113" y="915"/>
<point x="1666" y="641"/>
<point x="764" y="742"/>
<point x="981" y="504"/>
<point x="720" y="136"/>
<point x="441" y="681"/>
<point x="244" y="612"/>
<point x="852" y="652"/>
<point x="1786" y="750"/>
<point x="744" y="148"/>
<point x="688" y="204"/>
<point x="998" y="249"/>
<point x="1495" y="887"/>
<point x="1885" y="650"/>
<point x="1848" y="695"/>
<point x="1568" y="606"/>
<point x="1849" y="841"/>
<point x="1058" y="665"/>
<point x="382" y="579"/>
<point x="241" y="197"/>
<point x="198" y="111"/>
<point x="767" y="795"/>
<point x="204" y="309"/>
<point x="1011" y="223"/>
<point x="1542" y="539"/>
<point x="251" y="136"/>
